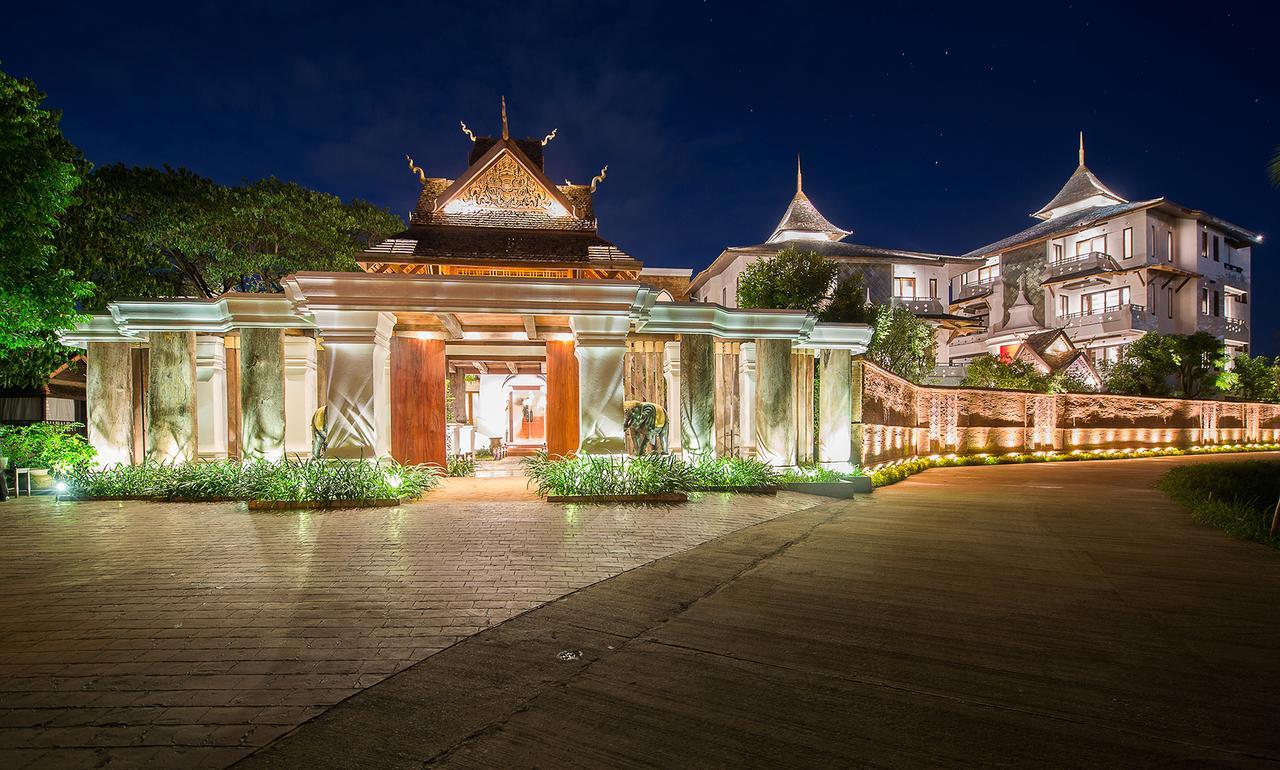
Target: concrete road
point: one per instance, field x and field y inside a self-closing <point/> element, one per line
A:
<point x="1063" y="615"/>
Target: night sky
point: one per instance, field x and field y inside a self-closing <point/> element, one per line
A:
<point x="921" y="127"/>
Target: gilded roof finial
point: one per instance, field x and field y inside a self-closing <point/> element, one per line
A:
<point x="416" y="169"/>
<point x="505" y="133"/>
<point x="799" y="179"/>
<point x="1081" y="148"/>
<point x="547" y="139"/>
<point x="470" y="134"/>
<point x="598" y="178"/>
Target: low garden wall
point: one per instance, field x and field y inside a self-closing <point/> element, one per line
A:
<point x="900" y="419"/>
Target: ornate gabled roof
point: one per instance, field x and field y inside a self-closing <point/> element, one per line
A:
<point x="1080" y="187"/>
<point x="503" y="207"/>
<point x="803" y="220"/>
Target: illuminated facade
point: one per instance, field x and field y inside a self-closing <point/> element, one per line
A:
<point x="502" y="288"/>
<point x="1107" y="271"/>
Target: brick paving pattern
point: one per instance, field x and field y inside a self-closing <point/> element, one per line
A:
<point x="163" y="635"/>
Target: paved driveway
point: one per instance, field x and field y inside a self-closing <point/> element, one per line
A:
<point x="191" y="634"/>
<point x="1063" y="615"/>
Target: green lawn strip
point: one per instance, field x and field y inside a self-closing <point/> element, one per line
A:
<point x="1237" y="498"/>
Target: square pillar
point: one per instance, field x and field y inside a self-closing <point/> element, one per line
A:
<point x="563" y="409"/>
<point x="747" y="397"/>
<point x="172" y="428"/>
<point x="698" y="394"/>
<point x="417" y="400"/>
<point x="856" y="432"/>
<point x="356" y="359"/>
<point x="835" y="401"/>
<point x="262" y="394"/>
<point x="671" y="372"/>
<point x="301" y="397"/>
<point x="458" y="392"/>
<point x="775" y="411"/>
<point x="600" y="343"/>
<point x="211" y="396"/>
<point x="109" y="400"/>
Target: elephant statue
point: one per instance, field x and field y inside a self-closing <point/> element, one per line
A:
<point x="646" y="423"/>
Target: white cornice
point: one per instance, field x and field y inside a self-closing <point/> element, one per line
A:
<point x="466" y="294"/>
<point x="99" y="328"/>
<point x="212" y="316"/>
<point x="731" y="324"/>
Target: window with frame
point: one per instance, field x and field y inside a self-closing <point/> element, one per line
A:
<point x="1127" y="243"/>
<point x="1217" y="304"/>
<point x="1204" y="302"/>
<point x="1154" y="255"/>
<point x="988" y="273"/>
<point x="1168" y="245"/>
<point x="1217" y="249"/>
<point x="933" y="288"/>
<point x="1204" y="243"/>
<point x="1097" y="243"/>
<point x="904" y="288"/>
<point x="1169" y="299"/>
<point x="1064" y="306"/>
<point x="1104" y="301"/>
<point x="1057" y="252"/>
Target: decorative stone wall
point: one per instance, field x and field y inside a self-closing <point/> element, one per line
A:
<point x="899" y="419"/>
<point x="697" y="393"/>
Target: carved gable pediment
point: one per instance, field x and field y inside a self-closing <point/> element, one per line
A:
<point x="504" y="180"/>
<point x="507" y="186"/>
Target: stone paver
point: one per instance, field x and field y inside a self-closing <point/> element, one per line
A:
<point x="1064" y="615"/>
<point x="164" y="635"/>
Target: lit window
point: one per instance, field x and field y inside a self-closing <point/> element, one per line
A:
<point x="1105" y="301"/>
<point x="1204" y="301"/>
<point x="1168" y="245"/>
<point x="904" y="288"/>
<point x="1204" y="243"/>
<point x="1128" y="243"/>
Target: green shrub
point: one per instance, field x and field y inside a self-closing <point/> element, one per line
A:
<point x="55" y="446"/>
<point x="1237" y="498"/>
<point x="460" y="465"/>
<point x="295" y="480"/>
<point x="597" y="475"/>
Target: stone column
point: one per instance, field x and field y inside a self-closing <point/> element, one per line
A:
<point x="262" y="394"/>
<point x="671" y="372"/>
<point x="300" y="393"/>
<point x="600" y="343"/>
<point x="356" y="360"/>
<point x="697" y="394"/>
<point x="747" y="397"/>
<point x="856" y="433"/>
<point x="109" y="397"/>
<point x="775" y="412"/>
<point x="458" y="392"/>
<point x="172" y="428"/>
<point x="835" y="447"/>
<point x="211" y="395"/>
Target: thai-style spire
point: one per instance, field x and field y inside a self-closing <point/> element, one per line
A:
<point x="505" y="133"/>
<point x="1082" y="190"/>
<point x="803" y="221"/>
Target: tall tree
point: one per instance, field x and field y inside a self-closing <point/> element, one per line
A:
<point x="39" y="173"/>
<point x="1252" y="379"/>
<point x="790" y="280"/>
<point x="1199" y="357"/>
<point x="903" y="344"/>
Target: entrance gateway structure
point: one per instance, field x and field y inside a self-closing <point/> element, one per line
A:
<point x="501" y="275"/>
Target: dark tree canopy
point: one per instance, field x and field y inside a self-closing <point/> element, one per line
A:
<point x="1167" y="364"/>
<point x="789" y="280"/>
<point x="145" y="232"/>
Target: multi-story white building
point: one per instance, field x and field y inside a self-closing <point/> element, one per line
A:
<point x="914" y="279"/>
<point x="1107" y="271"/>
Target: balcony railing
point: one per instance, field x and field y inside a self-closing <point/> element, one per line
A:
<point x="1081" y="263"/>
<point x="973" y="289"/>
<point x="1129" y="316"/>
<point x="923" y="306"/>
<point x="1236" y="328"/>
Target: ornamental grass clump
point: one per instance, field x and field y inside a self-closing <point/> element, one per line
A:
<point x="296" y="480"/>
<point x="817" y="474"/>
<point x="460" y="465"/>
<point x="736" y="472"/>
<point x="606" y="475"/>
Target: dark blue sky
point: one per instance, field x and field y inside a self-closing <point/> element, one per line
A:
<point x="936" y="128"/>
